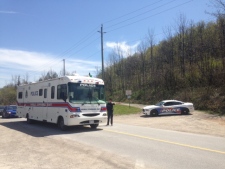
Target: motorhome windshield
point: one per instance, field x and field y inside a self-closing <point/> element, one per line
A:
<point x="86" y="93"/>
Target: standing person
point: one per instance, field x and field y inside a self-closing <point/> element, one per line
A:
<point x="109" y="107"/>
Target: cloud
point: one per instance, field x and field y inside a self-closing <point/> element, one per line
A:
<point x="8" y="12"/>
<point x="18" y="62"/>
<point x="122" y="47"/>
<point x="23" y="60"/>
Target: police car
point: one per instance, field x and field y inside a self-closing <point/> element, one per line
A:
<point x="168" y="107"/>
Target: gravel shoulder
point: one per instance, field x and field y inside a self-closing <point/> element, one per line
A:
<point x="32" y="147"/>
<point x="197" y="122"/>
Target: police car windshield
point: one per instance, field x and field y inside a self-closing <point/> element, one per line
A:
<point x="160" y="104"/>
<point x="86" y="93"/>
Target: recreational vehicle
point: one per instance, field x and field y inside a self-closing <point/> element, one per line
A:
<point x="66" y="101"/>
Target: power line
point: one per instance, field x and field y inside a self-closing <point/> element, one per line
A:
<point x="83" y="47"/>
<point x="91" y="34"/>
<point x="57" y="61"/>
<point x="88" y="37"/>
<point x="149" y="16"/>
<point x="60" y="56"/>
<point x="132" y="12"/>
<point x="141" y="14"/>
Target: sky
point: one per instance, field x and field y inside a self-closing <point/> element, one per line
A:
<point x="36" y="35"/>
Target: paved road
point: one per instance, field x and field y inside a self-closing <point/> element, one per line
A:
<point x="146" y="147"/>
<point x="157" y="148"/>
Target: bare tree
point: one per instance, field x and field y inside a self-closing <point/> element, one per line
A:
<point x="182" y="28"/>
<point x="25" y="79"/>
<point x="151" y="41"/>
<point x="142" y="50"/>
<point x="219" y="5"/>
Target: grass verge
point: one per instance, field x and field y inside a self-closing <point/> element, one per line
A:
<point x="125" y="110"/>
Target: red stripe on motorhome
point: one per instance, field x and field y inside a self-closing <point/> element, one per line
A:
<point x="66" y="105"/>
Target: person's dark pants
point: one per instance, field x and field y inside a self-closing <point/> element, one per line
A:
<point x="110" y="117"/>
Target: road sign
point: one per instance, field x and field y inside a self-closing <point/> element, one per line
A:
<point x="128" y="92"/>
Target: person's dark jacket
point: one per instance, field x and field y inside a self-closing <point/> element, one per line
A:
<point x="109" y="106"/>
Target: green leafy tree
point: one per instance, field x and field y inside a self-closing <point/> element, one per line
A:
<point x="8" y="95"/>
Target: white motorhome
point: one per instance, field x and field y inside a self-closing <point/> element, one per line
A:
<point x="66" y="101"/>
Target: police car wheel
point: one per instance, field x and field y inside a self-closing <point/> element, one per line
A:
<point x="185" y="111"/>
<point x="154" y="113"/>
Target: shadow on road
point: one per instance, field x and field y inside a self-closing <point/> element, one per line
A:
<point x="42" y="129"/>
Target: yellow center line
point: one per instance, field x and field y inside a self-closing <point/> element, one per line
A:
<point x="165" y="141"/>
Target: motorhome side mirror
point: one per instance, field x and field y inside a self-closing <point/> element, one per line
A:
<point x="63" y="96"/>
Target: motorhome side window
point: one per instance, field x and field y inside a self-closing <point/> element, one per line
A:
<point x="26" y="94"/>
<point x="40" y="92"/>
<point x="45" y="93"/>
<point x="20" y="95"/>
<point x="61" y="91"/>
<point x="52" y="92"/>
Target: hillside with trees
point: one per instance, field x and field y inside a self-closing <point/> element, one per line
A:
<point x="188" y="65"/>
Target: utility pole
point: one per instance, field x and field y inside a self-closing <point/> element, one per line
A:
<point x="64" y="69"/>
<point x="102" y="50"/>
